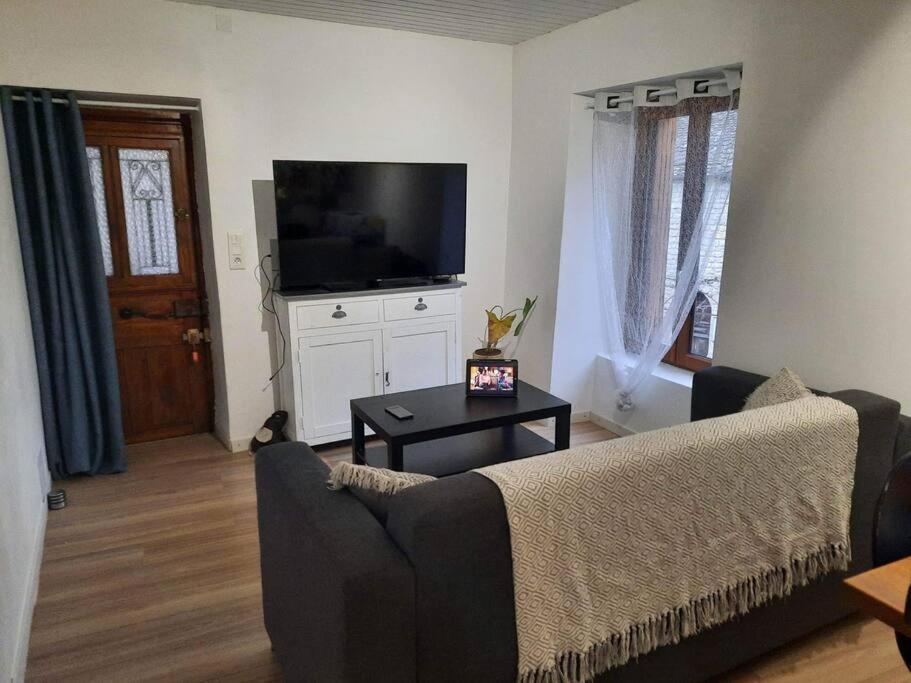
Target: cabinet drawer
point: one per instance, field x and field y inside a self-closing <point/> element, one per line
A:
<point x="353" y="312"/>
<point x="421" y="306"/>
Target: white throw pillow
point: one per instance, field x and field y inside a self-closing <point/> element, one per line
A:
<point x="784" y="386"/>
<point x="347" y="475"/>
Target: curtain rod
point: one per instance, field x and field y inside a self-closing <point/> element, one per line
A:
<point x="700" y="87"/>
<point x="122" y="105"/>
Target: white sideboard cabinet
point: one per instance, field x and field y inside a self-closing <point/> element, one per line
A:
<point x="349" y="345"/>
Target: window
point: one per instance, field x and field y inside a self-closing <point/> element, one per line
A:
<point x="96" y="174"/>
<point x="691" y="131"/>
<point x="149" y="211"/>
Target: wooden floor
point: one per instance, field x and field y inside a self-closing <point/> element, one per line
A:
<point x="154" y="574"/>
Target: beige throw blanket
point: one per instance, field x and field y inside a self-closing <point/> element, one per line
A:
<point x="627" y="545"/>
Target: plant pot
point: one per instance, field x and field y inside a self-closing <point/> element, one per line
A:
<point x="487" y="354"/>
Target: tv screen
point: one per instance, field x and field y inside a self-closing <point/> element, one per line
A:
<point x="358" y="222"/>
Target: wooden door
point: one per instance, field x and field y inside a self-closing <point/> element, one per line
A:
<point x="336" y="368"/>
<point x="147" y="221"/>
<point x="419" y="357"/>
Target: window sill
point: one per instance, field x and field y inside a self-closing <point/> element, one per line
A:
<point x="669" y="373"/>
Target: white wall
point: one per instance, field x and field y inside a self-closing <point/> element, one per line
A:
<point x="662" y="399"/>
<point x="577" y="335"/>
<point x="818" y="233"/>
<point x="23" y="468"/>
<point x="285" y="88"/>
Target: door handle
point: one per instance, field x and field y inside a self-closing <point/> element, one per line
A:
<point x="420" y="305"/>
<point x="387" y="378"/>
<point x="126" y="313"/>
<point x="338" y="313"/>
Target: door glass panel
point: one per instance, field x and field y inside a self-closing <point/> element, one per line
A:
<point x="149" y="211"/>
<point x="96" y="173"/>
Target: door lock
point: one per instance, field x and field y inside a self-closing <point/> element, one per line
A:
<point x="194" y="337"/>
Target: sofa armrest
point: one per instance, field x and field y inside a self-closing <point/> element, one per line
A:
<point x="456" y="535"/>
<point x="720" y="390"/>
<point x="877" y="418"/>
<point x="338" y="597"/>
<point x="903" y="438"/>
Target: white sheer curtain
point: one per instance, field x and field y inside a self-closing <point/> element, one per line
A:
<point x="661" y="183"/>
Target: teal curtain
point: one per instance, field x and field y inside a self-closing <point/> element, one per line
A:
<point x="67" y="290"/>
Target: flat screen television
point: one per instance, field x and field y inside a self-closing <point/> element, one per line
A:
<point x="351" y="224"/>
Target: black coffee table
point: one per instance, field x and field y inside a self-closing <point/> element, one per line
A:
<point x="452" y="433"/>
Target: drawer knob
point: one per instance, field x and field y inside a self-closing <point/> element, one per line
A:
<point x="338" y="314"/>
<point x="420" y="305"/>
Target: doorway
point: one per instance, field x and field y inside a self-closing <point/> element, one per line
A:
<point x="142" y="179"/>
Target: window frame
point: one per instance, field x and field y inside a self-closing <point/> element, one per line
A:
<point x="679" y="354"/>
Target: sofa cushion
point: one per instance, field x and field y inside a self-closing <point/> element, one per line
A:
<point x="784" y="386"/>
<point x="373" y="486"/>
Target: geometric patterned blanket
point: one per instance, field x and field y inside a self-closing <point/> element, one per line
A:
<point x="630" y="544"/>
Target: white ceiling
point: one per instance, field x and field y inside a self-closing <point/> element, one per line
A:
<point x="493" y="21"/>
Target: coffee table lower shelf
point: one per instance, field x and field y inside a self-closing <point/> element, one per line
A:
<point x="454" y="454"/>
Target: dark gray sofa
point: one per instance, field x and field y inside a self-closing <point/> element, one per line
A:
<point x="429" y="597"/>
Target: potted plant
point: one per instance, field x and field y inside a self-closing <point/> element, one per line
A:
<point x="499" y="325"/>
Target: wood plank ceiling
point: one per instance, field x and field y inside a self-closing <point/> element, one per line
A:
<point x="494" y="21"/>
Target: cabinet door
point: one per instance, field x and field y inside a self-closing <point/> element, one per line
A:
<point x="420" y="356"/>
<point x="336" y="368"/>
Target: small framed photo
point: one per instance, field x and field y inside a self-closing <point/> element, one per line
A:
<point x="492" y="377"/>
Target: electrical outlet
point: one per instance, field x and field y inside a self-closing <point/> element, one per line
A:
<point x="236" y="259"/>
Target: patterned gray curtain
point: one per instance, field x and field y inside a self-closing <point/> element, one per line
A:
<point x="67" y="290"/>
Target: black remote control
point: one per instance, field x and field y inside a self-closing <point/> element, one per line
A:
<point x="399" y="413"/>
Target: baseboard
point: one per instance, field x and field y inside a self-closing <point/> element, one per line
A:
<point x="235" y="445"/>
<point x="582" y="416"/>
<point x="238" y="445"/>
<point x="609" y="425"/>
<point x="20" y="659"/>
<point x="222" y="436"/>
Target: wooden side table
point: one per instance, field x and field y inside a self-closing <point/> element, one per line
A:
<point x="883" y="593"/>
